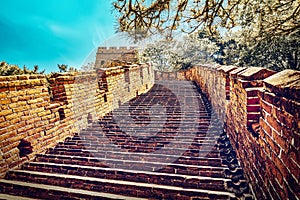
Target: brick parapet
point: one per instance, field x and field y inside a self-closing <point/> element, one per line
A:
<point x="279" y="132"/>
<point x="44" y="113"/>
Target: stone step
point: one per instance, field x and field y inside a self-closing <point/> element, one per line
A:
<point x="171" y="116"/>
<point x="172" y="179"/>
<point x="85" y="151"/>
<point x="163" y="164"/>
<point x="42" y="191"/>
<point x="105" y="142"/>
<point x="162" y="168"/>
<point x="154" y="133"/>
<point x="14" y="197"/>
<point x="192" y="125"/>
<point x="197" y="160"/>
<point x="128" y="188"/>
<point x="147" y="110"/>
<point x="159" y="138"/>
<point x="93" y="140"/>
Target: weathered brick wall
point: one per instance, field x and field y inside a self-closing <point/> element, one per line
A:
<point x="279" y="137"/>
<point x="36" y="114"/>
<point x="261" y="110"/>
<point x="27" y="113"/>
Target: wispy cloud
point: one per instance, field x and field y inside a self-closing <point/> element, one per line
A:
<point x="52" y="32"/>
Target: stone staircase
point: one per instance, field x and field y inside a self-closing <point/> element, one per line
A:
<point x="165" y="144"/>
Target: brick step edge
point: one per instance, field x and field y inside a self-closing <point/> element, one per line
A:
<point x="38" y="166"/>
<point x="79" y="193"/>
<point x="128" y="184"/>
<point x="103" y="159"/>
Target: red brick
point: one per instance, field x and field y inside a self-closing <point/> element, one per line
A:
<point x="274" y="123"/>
<point x="283" y="143"/>
<point x="253" y="108"/>
<point x="294" y="154"/>
<point x="272" y="99"/>
<point x="253" y="116"/>
<point x="290" y="106"/>
<point x="292" y="188"/>
<point x="252" y="101"/>
<point x="264" y="114"/>
<point x="293" y="168"/>
<point x="273" y="144"/>
<point x="265" y="126"/>
<point x="275" y="189"/>
<point x="285" y="118"/>
<point x="7" y="135"/>
<point x="266" y="106"/>
<point x="252" y="92"/>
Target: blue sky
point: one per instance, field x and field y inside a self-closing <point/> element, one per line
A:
<point x="51" y="32"/>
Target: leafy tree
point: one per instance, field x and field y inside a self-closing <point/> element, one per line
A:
<point x="62" y="67"/>
<point x="36" y="70"/>
<point x="247" y="33"/>
<point x="277" y="53"/>
<point x="181" y="53"/>
<point x="257" y="18"/>
<point x="65" y="68"/>
<point x="7" y="70"/>
<point x="72" y="69"/>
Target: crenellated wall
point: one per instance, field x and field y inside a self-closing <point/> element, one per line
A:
<point x="106" y="54"/>
<point x="37" y="113"/>
<point x="261" y="110"/>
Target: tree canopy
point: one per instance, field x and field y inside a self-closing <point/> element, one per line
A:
<point x="258" y="18"/>
<point x="7" y="70"/>
<point x="263" y="33"/>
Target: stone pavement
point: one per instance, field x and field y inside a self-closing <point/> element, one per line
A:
<point x="165" y="144"/>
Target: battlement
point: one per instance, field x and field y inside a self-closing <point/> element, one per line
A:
<point x="106" y="54"/>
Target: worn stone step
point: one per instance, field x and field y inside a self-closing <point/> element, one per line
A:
<point x="188" y="127"/>
<point x="135" y="149"/>
<point x="102" y="142"/>
<point x="114" y="140"/>
<point x="186" y="181"/>
<point x="153" y="134"/>
<point x="121" y="153"/>
<point x="129" y="188"/>
<point x="162" y="164"/>
<point x="176" y="117"/>
<point x="162" y="168"/>
<point x="92" y="145"/>
<point x="42" y="191"/>
<point x="93" y="140"/>
<point x="171" y="115"/>
<point x="163" y="139"/>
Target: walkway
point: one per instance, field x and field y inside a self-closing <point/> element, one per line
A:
<point x="166" y="144"/>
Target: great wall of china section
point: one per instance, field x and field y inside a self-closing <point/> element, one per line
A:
<point x="209" y="132"/>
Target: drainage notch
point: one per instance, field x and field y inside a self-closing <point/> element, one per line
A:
<point x="25" y="148"/>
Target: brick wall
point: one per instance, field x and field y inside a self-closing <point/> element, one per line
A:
<point x="36" y="114"/>
<point x="260" y="109"/>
